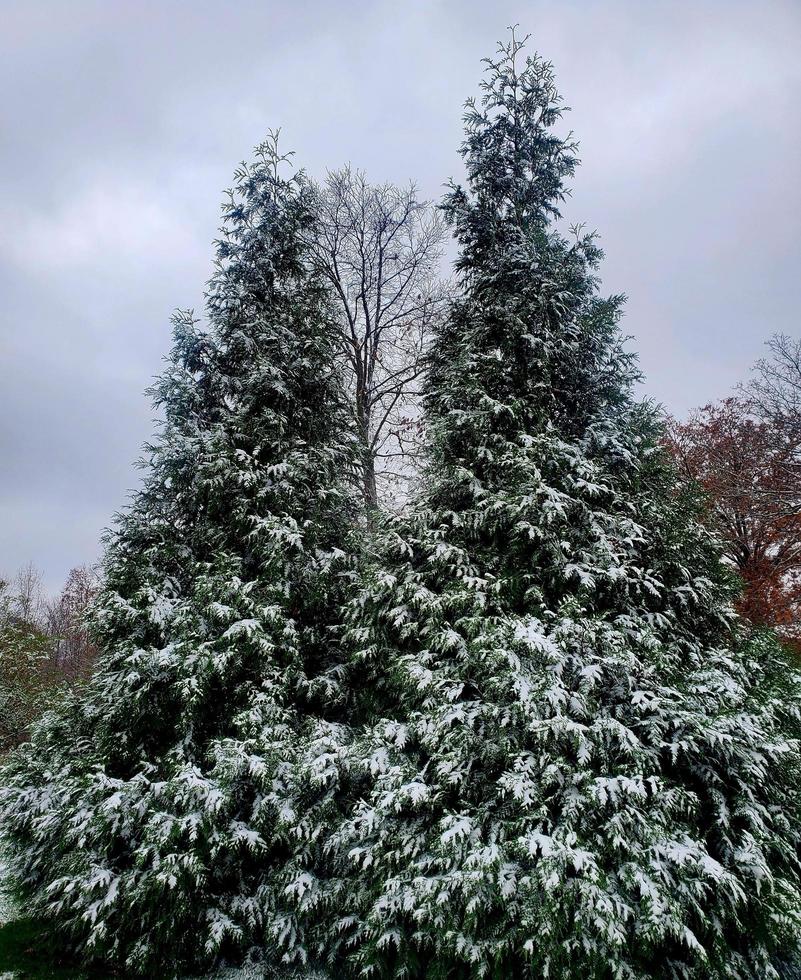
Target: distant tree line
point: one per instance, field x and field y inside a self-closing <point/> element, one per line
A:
<point x="44" y="643"/>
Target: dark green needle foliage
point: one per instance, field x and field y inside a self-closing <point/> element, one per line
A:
<point x="575" y="762"/>
<point x="543" y="747"/>
<point x="156" y="818"/>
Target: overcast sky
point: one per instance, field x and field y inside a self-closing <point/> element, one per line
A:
<point x="121" y="123"/>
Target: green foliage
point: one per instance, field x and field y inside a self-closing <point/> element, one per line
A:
<point x="26" y="677"/>
<point x="27" y="951"/>
<point x="153" y="817"/>
<point x="544" y="746"/>
<point x="574" y="761"/>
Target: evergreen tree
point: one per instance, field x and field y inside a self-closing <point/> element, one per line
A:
<point x="575" y="761"/>
<point x="156" y="819"/>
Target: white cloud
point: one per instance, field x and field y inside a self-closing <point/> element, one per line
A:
<point x="127" y="120"/>
<point x="106" y="223"/>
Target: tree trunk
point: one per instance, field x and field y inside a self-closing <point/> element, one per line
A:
<point x="369" y="489"/>
<point x="368" y="480"/>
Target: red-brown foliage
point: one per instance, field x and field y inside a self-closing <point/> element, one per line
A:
<point x="750" y="469"/>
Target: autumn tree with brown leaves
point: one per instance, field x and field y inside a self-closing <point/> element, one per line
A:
<point x="748" y="464"/>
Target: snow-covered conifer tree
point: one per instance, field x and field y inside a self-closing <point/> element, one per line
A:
<point x="159" y="816"/>
<point x="576" y="762"/>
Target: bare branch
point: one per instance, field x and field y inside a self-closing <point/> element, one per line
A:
<point x="379" y="248"/>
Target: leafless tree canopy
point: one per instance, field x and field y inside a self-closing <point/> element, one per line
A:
<point x="28" y="601"/>
<point x="73" y="650"/>
<point x="379" y="247"/>
<point x="773" y="396"/>
<point x="774" y="391"/>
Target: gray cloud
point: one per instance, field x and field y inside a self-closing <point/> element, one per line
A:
<point x="122" y="122"/>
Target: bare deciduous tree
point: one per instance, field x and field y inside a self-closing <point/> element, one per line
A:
<point x="379" y="247"/>
<point x="774" y="391"/>
<point x="773" y="396"/>
<point x="73" y="650"/>
<point x="28" y="598"/>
